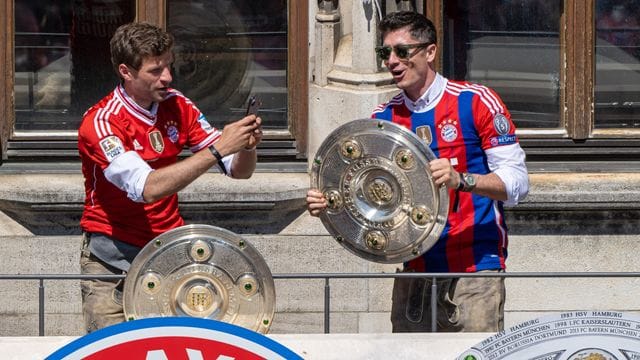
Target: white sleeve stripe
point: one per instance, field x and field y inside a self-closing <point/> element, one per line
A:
<point x="101" y="120"/>
<point x="487" y="98"/>
<point x="492" y="98"/>
<point x="213" y="137"/>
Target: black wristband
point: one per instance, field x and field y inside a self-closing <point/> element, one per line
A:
<point x="462" y="183"/>
<point x="217" y="155"/>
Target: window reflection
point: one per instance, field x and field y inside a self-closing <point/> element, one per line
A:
<point x="617" y="92"/>
<point x="514" y="49"/>
<point x="228" y="50"/>
<point x="62" y="63"/>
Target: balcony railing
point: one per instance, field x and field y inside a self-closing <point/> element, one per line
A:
<point x="327" y="286"/>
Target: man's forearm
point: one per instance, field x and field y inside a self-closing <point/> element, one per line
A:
<point x="244" y="163"/>
<point x="173" y="178"/>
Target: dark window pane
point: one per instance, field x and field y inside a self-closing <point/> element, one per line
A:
<point x="512" y="46"/>
<point x="617" y="93"/>
<point x="62" y="64"/>
<point x="229" y="50"/>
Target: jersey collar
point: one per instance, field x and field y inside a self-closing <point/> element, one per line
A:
<point x="144" y="115"/>
<point x="430" y="98"/>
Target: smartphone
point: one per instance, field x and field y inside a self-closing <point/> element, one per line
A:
<point x="253" y="106"/>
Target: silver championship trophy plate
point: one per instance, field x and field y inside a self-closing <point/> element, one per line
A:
<point x="382" y="202"/>
<point x="201" y="271"/>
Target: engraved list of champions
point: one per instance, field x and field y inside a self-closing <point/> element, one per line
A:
<point x="578" y="335"/>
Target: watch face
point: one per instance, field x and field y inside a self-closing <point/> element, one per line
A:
<point x="470" y="180"/>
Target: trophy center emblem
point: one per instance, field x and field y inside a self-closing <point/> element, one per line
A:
<point x="380" y="191"/>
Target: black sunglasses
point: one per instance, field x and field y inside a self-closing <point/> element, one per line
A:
<point x="402" y="51"/>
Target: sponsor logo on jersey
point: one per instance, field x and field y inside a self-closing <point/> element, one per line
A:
<point x="155" y="138"/>
<point x="174" y="338"/>
<point x="503" y="140"/>
<point x="111" y="147"/>
<point x="136" y="145"/>
<point x="424" y="133"/>
<point x="448" y="130"/>
<point x="501" y="124"/>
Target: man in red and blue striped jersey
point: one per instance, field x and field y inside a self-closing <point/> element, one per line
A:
<point x="479" y="160"/>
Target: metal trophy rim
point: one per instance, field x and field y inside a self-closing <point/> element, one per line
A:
<point x="345" y="133"/>
<point x="212" y="237"/>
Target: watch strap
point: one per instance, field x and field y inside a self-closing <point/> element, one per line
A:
<point x="468" y="185"/>
<point x="462" y="183"/>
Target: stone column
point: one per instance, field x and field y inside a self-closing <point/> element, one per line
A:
<point x="327" y="37"/>
<point x="365" y="24"/>
<point x="349" y="81"/>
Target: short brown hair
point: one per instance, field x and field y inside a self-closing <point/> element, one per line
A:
<point x="134" y="42"/>
<point x="419" y="26"/>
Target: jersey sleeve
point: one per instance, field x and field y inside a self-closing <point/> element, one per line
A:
<point x="100" y="140"/>
<point x="200" y="133"/>
<point x="498" y="137"/>
<point x="493" y="120"/>
<point x="104" y="144"/>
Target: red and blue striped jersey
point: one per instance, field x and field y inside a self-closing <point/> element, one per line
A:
<point x="462" y="122"/>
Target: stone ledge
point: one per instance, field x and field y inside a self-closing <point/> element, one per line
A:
<point x="268" y="202"/>
<point x="48" y="204"/>
<point x="587" y="189"/>
<point x="582" y="191"/>
<point x="210" y="187"/>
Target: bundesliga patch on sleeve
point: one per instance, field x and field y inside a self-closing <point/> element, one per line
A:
<point x="111" y="147"/>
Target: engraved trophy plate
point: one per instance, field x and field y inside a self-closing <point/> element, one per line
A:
<point x="577" y="335"/>
<point x="382" y="202"/>
<point x="201" y="271"/>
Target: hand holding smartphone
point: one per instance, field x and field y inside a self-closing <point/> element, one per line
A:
<point x="252" y="109"/>
<point x="253" y="106"/>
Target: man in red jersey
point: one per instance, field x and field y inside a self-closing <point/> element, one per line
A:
<point x="479" y="160"/>
<point x="129" y="144"/>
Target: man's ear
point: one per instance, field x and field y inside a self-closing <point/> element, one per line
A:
<point x="125" y="72"/>
<point x="431" y="52"/>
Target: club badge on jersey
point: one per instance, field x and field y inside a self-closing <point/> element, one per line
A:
<point x="172" y="131"/>
<point x="449" y="130"/>
<point x="155" y="138"/>
<point x="424" y="133"/>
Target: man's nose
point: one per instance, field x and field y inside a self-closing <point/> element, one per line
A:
<point x="393" y="57"/>
<point x="166" y="76"/>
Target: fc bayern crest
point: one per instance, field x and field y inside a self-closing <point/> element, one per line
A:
<point x="172" y="131"/>
<point x="173" y="338"/>
<point x="449" y="133"/>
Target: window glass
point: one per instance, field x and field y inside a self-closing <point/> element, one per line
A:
<point x="512" y="46"/>
<point x="62" y="63"/>
<point x="227" y="51"/>
<point x="617" y="92"/>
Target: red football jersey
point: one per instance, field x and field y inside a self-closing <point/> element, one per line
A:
<point x="117" y="129"/>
